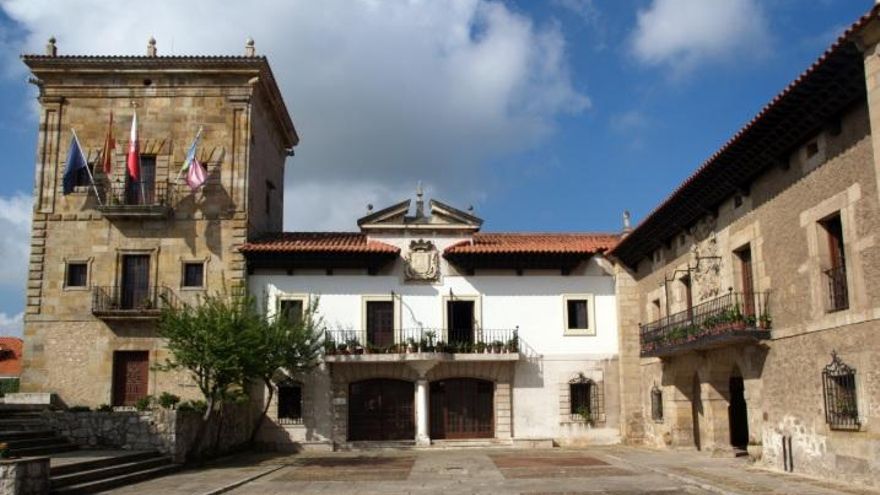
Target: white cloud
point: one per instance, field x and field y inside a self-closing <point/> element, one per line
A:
<point x="15" y="223"/>
<point x="11" y="325"/>
<point x="682" y="34"/>
<point x="382" y="93"/>
<point x="585" y="9"/>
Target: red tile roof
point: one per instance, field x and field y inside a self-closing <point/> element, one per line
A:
<point x="318" y="242"/>
<point x="10" y="356"/>
<point x="534" y="243"/>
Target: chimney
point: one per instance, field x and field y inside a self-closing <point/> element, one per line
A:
<point x="249" y="50"/>
<point x="151" y="47"/>
<point x="51" y="49"/>
<point x="627" y="222"/>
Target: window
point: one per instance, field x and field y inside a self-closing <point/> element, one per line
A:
<point x="579" y="318"/>
<point x="585" y="400"/>
<point x="77" y="274"/>
<point x="835" y="274"/>
<point x="292" y="310"/>
<point x="688" y="295"/>
<point x="657" y="404"/>
<point x="290" y="403"/>
<point x="841" y="404"/>
<point x="194" y="274"/>
<point x="656" y="311"/>
<point x="747" y="279"/>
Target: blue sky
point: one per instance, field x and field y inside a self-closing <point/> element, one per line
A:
<point x="549" y="115"/>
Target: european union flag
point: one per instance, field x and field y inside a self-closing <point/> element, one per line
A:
<point x="75" y="162"/>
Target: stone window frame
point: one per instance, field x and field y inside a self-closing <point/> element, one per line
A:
<point x="302" y="402"/>
<point x="153" y="253"/>
<point x="185" y="261"/>
<point x="303" y="297"/>
<point x="845" y="203"/>
<point x="88" y="262"/>
<point x="590" y="331"/>
<point x="597" y="379"/>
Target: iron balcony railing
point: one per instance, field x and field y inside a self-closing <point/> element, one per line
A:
<point x="420" y="340"/>
<point x="733" y="314"/>
<point x="838" y="294"/>
<point x="136" y="194"/>
<point x="127" y="301"/>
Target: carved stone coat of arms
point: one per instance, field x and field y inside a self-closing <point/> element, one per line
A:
<point x="422" y="261"/>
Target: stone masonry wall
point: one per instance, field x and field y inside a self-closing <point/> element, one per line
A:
<point x="28" y="476"/>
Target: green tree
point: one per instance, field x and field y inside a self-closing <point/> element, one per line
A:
<point x="284" y="346"/>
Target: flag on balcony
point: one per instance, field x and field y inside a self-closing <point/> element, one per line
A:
<point x="75" y="162"/>
<point x="195" y="172"/>
<point x="107" y="152"/>
<point x="134" y="156"/>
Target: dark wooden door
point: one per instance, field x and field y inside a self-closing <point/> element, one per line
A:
<point x="688" y="296"/>
<point x="380" y="323"/>
<point x="462" y="408"/>
<point x="135" y="282"/>
<point x="696" y="410"/>
<point x="130" y="376"/>
<point x="381" y="410"/>
<point x="748" y="281"/>
<point x="737" y="413"/>
<point x="460" y="318"/>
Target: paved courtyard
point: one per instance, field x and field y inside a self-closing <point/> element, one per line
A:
<point x="611" y="470"/>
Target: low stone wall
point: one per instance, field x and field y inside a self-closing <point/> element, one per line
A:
<point x="24" y="476"/>
<point x="168" y="431"/>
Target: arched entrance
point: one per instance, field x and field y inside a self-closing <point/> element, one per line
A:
<point x="737" y="412"/>
<point x="381" y="409"/>
<point x="696" y="409"/>
<point x="462" y="408"/>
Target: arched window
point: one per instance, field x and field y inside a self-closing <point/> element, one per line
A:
<point x="586" y="400"/>
<point x="290" y="407"/>
<point x="657" y="404"/>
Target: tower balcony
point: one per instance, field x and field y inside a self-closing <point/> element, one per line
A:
<point x="134" y="200"/>
<point x="732" y="319"/>
<point x="130" y="302"/>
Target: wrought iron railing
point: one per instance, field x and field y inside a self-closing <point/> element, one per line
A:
<point x="136" y="195"/>
<point x="838" y="295"/>
<point x="734" y="312"/>
<point x="134" y="301"/>
<point x="420" y="340"/>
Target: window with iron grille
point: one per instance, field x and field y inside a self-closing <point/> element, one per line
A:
<point x="657" y="404"/>
<point x="290" y="403"/>
<point x="586" y="400"/>
<point x="841" y="404"/>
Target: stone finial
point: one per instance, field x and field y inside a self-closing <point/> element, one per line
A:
<point x="51" y="49"/>
<point x="249" y="49"/>
<point x="370" y="208"/>
<point x="420" y="201"/>
<point x="151" y="47"/>
<point x="627" y="222"/>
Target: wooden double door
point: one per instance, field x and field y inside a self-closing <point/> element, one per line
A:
<point x="381" y="410"/>
<point x="462" y="408"/>
<point x="131" y="373"/>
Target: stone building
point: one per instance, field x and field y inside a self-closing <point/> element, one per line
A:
<point x="755" y="287"/>
<point x="438" y="333"/>
<point x="104" y="262"/>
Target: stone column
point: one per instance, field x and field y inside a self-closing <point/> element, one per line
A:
<point x="421" y="404"/>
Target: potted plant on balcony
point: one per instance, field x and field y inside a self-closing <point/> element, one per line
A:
<point x="354" y="346"/>
<point x="765" y="321"/>
<point x="513" y="344"/>
<point x="497" y="346"/>
<point x="430" y="335"/>
<point x="411" y="346"/>
<point x="329" y="347"/>
<point x="440" y="346"/>
<point x="481" y="348"/>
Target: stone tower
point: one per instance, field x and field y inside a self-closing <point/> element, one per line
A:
<point x="105" y="259"/>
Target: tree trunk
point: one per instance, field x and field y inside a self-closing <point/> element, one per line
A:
<point x="192" y="452"/>
<point x="262" y="417"/>
<point x="216" y="447"/>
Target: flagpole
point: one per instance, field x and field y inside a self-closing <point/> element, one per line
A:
<point x="196" y="140"/>
<point x="91" y="179"/>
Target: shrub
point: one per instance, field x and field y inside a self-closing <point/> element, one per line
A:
<point x="144" y="403"/>
<point x="168" y="400"/>
<point x="197" y="406"/>
<point x="8" y="386"/>
<point x="77" y="409"/>
<point x="105" y="408"/>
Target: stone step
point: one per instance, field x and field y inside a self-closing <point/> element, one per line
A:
<point x="12" y="435"/>
<point x="45" y="450"/>
<point x="102" y="473"/>
<point x="20" y="414"/>
<point x="46" y="441"/>
<point x="122" y="458"/>
<point x="22" y="424"/>
<point x="117" y="481"/>
<point x="475" y="443"/>
<point x="4" y="408"/>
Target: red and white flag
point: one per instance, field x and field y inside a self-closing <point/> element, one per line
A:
<point x="134" y="156"/>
